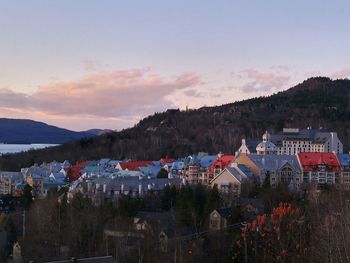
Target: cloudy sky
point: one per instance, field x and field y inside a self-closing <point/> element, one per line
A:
<point x="106" y="64"/>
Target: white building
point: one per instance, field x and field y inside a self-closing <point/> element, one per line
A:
<point x="292" y="141"/>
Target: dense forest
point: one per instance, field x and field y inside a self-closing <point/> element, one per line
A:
<point x="317" y="102"/>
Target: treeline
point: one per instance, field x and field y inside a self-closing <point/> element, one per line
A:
<point x="56" y="229"/>
<point x="317" y="102"/>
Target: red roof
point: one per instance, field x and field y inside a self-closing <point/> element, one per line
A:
<point x="74" y="171"/>
<point x="222" y="162"/>
<point x="134" y="165"/>
<point x="167" y="160"/>
<point x="310" y="160"/>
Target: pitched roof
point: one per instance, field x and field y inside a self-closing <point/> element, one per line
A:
<point x="255" y="202"/>
<point x="310" y="159"/>
<point x="167" y="160"/>
<point x="134" y="165"/>
<point x="231" y="170"/>
<point x="344" y="159"/>
<point x="207" y="160"/>
<point x="274" y="162"/>
<point x="224" y="211"/>
<point x="74" y="171"/>
<point x="221" y="162"/>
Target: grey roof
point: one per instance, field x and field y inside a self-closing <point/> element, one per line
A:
<point x="133" y="182"/>
<point x="313" y="135"/>
<point x="255" y="202"/>
<point x="163" y="222"/>
<point x="235" y="173"/>
<point x="224" y="211"/>
<point x="275" y="162"/>
<point x="105" y="259"/>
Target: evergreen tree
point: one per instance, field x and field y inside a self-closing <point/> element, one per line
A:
<point x="27" y="196"/>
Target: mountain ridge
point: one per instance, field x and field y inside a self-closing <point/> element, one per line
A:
<point x="26" y="131"/>
<point x="316" y="102"/>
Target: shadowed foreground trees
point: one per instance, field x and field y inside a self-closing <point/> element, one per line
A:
<point x="282" y="236"/>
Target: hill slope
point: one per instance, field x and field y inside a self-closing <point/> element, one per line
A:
<point x="315" y="102"/>
<point x="28" y="131"/>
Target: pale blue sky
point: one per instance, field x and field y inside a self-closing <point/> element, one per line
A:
<point x="236" y="49"/>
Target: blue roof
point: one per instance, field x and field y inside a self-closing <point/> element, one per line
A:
<point x="235" y="173"/>
<point x="150" y="170"/>
<point x="245" y="169"/>
<point x="344" y="159"/>
<point x="207" y="160"/>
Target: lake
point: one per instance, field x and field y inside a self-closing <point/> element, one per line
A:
<point x="15" y="148"/>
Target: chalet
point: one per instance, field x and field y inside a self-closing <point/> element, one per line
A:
<point x="229" y="181"/>
<point x="161" y="226"/>
<point x="251" y="207"/>
<point x="8" y="182"/>
<point x="105" y="188"/>
<point x="133" y="165"/>
<point x="220" y="218"/>
<point x="218" y="165"/>
<point x="177" y="170"/>
<point x="281" y="168"/>
<point x="197" y="169"/>
<point x="320" y="168"/>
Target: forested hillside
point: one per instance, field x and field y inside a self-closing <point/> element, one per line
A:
<point x="316" y="102"/>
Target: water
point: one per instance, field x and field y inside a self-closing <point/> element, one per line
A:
<point x="15" y="148"/>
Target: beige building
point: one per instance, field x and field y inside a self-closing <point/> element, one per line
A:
<point x="229" y="181"/>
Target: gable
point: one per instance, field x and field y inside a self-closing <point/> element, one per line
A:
<point x="225" y="177"/>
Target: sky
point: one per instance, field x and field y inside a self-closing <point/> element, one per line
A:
<point x="107" y="64"/>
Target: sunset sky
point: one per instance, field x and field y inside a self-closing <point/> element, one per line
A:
<point x="106" y="64"/>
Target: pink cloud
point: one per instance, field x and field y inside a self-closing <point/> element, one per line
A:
<point x="262" y="80"/>
<point x="111" y="95"/>
<point x="342" y="74"/>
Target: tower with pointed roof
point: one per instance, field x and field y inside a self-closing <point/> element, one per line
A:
<point x="266" y="146"/>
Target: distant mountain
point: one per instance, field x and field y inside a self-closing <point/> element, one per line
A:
<point x="315" y="102"/>
<point x="99" y="131"/>
<point x="29" y="131"/>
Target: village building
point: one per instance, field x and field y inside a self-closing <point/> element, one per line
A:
<point x="280" y="169"/>
<point x="292" y="141"/>
<point x="344" y="160"/>
<point x="219" y="164"/>
<point x="220" y="218"/>
<point x="229" y="181"/>
<point x="197" y="169"/>
<point x="9" y="181"/>
<point x="266" y="147"/>
<point x="320" y="168"/>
